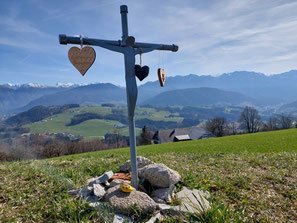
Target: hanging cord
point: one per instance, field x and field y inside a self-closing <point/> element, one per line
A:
<point x="140" y="55"/>
<point x="162" y="59"/>
<point x="159" y="59"/>
<point x="81" y="42"/>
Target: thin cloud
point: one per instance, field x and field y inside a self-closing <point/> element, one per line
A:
<point x="214" y="36"/>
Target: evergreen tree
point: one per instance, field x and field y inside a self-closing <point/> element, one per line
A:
<point x="145" y="136"/>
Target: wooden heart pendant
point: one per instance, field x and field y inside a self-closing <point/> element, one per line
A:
<point x="161" y="76"/>
<point x="82" y="59"/>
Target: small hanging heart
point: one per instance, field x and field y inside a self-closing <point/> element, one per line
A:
<point x="161" y="76"/>
<point x="82" y="59"/>
<point x="141" y="72"/>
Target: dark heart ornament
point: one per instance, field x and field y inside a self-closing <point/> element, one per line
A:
<point x="141" y="72"/>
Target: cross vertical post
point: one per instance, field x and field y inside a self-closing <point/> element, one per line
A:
<point x="130" y="49"/>
<point x="131" y="89"/>
<point x="124" y="17"/>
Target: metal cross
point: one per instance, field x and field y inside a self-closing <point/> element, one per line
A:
<point x="130" y="49"/>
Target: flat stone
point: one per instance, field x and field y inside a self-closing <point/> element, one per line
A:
<point x="193" y="200"/>
<point x="98" y="180"/>
<point x="164" y="194"/>
<point x="171" y="210"/>
<point x="116" y="182"/>
<point x="99" y="190"/>
<point x="154" y="218"/>
<point x="123" y="202"/>
<point x="141" y="162"/>
<point x="159" y="175"/>
<point x="120" y="218"/>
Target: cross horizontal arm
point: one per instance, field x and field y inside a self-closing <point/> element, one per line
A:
<point x="108" y="44"/>
<point x="172" y="47"/>
<point x="113" y="44"/>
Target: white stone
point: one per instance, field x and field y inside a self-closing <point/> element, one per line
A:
<point x="96" y="204"/>
<point x="120" y="218"/>
<point x="159" y="175"/>
<point x="99" y="190"/>
<point x="141" y="162"/>
<point x="154" y="218"/>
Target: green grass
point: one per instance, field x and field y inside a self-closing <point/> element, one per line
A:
<point x="97" y="127"/>
<point x="251" y="178"/>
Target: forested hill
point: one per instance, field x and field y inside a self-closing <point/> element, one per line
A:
<point x="199" y="97"/>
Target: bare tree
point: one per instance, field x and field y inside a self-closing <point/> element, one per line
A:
<point x="217" y="126"/>
<point x="285" y="122"/>
<point x="271" y="124"/>
<point x="232" y="128"/>
<point x="250" y="119"/>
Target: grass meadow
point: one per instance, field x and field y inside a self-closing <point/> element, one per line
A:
<point x="251" y="178"/>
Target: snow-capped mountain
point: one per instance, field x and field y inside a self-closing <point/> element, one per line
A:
<point x="35" y="85"/>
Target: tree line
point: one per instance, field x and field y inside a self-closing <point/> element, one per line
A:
<point x="249" y="121"/>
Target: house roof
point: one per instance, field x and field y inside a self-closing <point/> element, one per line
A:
<point x="167" y="135"/>
<point x="182" y="137"/>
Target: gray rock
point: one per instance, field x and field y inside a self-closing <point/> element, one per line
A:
<point x="154" y="218"/>
<point x="123" y="202"/>
<point x="87" y="194"/>
<point x="74" y="192"/>
<point x="193" y="201"/>
<point x="159" y="175"/>
<point x="158" y="200"/>
<point x="164" y="194"/>
<point x="116" y="182"/>
<point x="98" y="180"/>
<point x="120" y="218"/>
<point x="99" y="190"/>
<point x="85" y="191"/>
<point x="141" y="162"/>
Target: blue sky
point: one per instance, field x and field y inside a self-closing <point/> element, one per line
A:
<point x="214" y="37"/>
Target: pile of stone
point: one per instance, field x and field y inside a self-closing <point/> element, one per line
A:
<point x="156" y="191"/>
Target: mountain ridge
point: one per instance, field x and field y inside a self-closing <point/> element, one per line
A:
<point x="270" y="90"/>
<point x="203" y="96"/>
